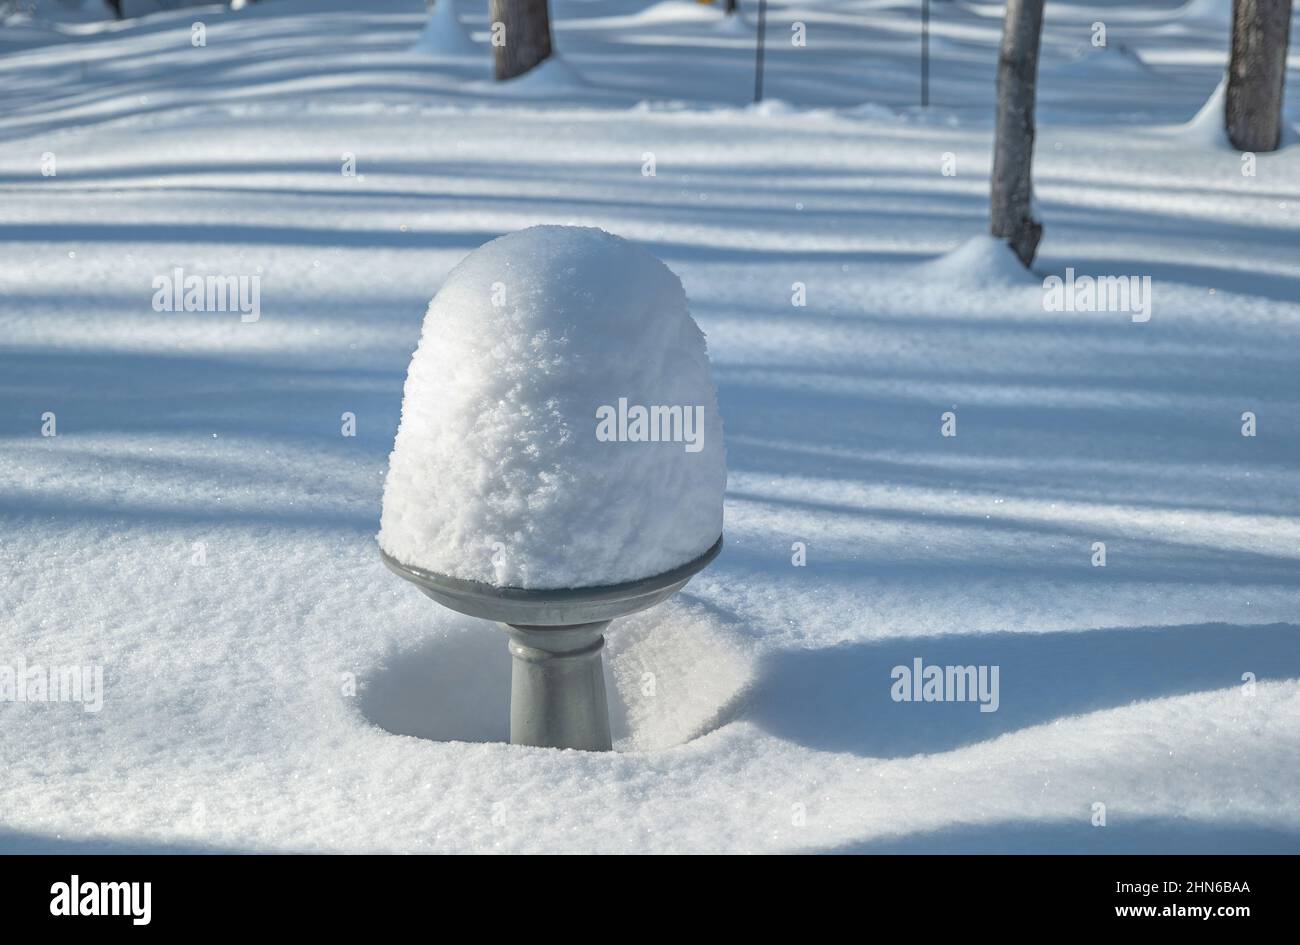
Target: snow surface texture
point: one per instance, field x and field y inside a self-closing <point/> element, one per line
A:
<point x="498" y="473"/>
<point x="752" y="711"/>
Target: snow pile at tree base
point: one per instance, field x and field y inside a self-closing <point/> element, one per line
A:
<point x="519" y="459"/>
<point x="553" y="76"/>
<point x="981" y="259"/>
<point x="1208" y="126"/>
<point x="735" y="24"/>
<point x="444" y="36"/>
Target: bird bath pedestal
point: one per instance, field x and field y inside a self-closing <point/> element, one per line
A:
<point x="557" y="684"/>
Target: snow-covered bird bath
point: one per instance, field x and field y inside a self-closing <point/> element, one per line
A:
<point x="559" y="461"/>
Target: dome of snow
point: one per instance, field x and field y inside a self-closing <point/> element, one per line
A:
<point x="559" y="423"/>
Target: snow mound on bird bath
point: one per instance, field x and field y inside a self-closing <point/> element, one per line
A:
<point x="559" y="423"/>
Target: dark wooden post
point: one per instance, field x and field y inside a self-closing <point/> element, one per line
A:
<point x="527" y="35"/>
<point x="1012" y="197"/>
<point x="1261" y="31"/>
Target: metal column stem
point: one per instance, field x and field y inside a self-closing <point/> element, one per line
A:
<point x="557" y="686"/>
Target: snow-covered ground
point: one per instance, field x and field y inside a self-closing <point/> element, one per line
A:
<point x="201" y="530"/>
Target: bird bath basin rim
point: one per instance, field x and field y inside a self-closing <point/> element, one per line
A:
<point x="551" y="607"/>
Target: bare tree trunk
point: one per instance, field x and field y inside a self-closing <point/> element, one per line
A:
<point x="1011" y="204"/>
<point x="1261" y="30"/>
<point x="527" y="36"/>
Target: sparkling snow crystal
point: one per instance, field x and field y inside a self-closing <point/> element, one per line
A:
<point x="559" y="424"/>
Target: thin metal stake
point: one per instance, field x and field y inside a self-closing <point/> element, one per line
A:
<point x="758" y="56"/>
<point x="925" y="53"/>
